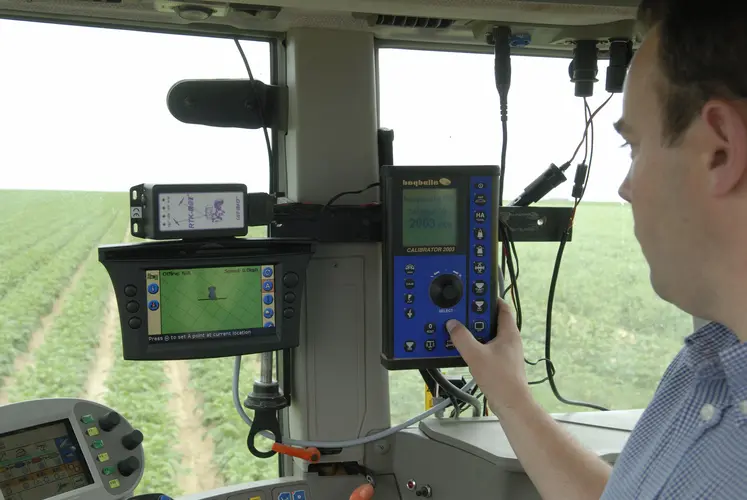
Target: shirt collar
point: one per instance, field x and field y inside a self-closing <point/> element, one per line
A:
<point x="705" y="347"/>
<point x="715" y="351"/>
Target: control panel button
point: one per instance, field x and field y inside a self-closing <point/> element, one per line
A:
<point x="285" y="496"/>
<point x="97" y="444"/>
<point x="153" y="288"/>
<point x="134" y="323"/>
<point x="130" y="290"/>
<point x="128" y="466"/>
<point x="479" y="251"/>
<point x="132" y="307"/>
<point x="409" y="345"/>
<point x="110" y="421"/>
<point x="289" y="297"/>
<point x="268" y="299"/>
<point x="479" y="233"/>
<point x="479" y="267"/>
<point x="132" y="440"/>
<point x="480" y="199"/>
<point x="92" y="431"/>
<point x="478" y="306"/>
<point x="430" y="344"/>
<point x="478" y="326"/>
<point x="409" y="298"/>
<point x="480" y="216"/>
<point x="410" y="269"/>
<point x="267" y="285"/>
<point x="114" y="484"/>
<point x="153" y="305"/>
<point x="267" y="272"/>
<point x="87" y="419"/>
<point x="299" y="495"/>
<point x="430" y="328"/>
<point x="409" y="283"/>
<point x="108" y="471"/>
<point x="288" y="312"/>
<point x="449" y="344"/>
<point x="409" y="313"/>
<point x="446" y="290"/>
<point x="269" y="324"/>
<point x="479" y="185"/>
<point x="478" y="287"/>
<point x="102" y="457"/>
<point x="269" y="313"/>
<point x="290" y="280"/>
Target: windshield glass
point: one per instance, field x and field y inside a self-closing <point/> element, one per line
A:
<point x="83" y="118"/>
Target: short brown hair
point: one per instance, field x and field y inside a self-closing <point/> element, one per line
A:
<point x="702" y="55"/>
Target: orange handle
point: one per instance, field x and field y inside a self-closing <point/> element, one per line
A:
<point x="309" y="454"/>
<point x="363" y="492"/>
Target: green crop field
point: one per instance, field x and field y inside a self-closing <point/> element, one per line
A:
<point x="612" y="337"/>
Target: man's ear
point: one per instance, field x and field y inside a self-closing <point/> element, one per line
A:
<point x="726" y="146"/>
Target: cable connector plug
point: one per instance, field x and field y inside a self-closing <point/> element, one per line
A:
<point x="548" y="180"/>
<point x="579" y="183"/>
<point x="501" y="40"/>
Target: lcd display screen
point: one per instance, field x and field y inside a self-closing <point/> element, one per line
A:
<point x="429" y="217"/>
<point x="41" y="462"/>
<point x="210" y="303"/>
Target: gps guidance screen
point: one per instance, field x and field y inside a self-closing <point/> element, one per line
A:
<point x="429" y="217"/>
<point x="210" y="303"/>
<point x="41" y="462"/>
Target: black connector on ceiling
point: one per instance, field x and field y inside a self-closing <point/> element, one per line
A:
<point x="413" y="22"/>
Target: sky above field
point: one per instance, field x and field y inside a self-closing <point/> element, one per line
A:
<point x="85" y="109"/>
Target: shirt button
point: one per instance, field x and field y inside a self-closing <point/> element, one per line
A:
<point x="743" y="407"/>
<point x="707" y="412"/>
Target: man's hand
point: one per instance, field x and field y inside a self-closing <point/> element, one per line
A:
<point x="498" y="366"/>
<point x="556" y="464"/>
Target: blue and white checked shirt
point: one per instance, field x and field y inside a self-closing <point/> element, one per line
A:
<point x="691" y="442"/>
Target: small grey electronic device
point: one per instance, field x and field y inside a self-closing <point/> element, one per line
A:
<point x="65" y="449"/>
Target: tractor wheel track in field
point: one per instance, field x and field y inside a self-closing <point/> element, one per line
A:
<point x="37" y="337"/>
<point x="104" y="359"/>
<point x="195" y="444"/>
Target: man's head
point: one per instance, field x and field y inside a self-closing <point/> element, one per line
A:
<point x="685" y="118"/>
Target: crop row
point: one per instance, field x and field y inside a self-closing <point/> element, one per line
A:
<point x="212" y="379"/>
<point x="40" y="239"/>
<point x="59" y="367"/>
<point x="35" y="293"/>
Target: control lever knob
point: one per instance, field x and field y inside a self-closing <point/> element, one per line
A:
<point x="132" y="440"/>
<point x="128" y="466"/>
<point x="446" y="290"/>
<point x="109" y="421"/>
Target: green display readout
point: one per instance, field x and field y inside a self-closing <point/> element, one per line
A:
<point x="211" y="299"/>
<point x="429" y="217"/>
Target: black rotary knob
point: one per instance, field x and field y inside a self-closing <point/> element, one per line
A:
<point x="446" y="290"/>
<point x="128" y="466"/>
<point x="109" y="421"/>
<point x="132" y="440"/>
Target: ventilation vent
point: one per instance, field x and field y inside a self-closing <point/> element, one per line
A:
<point x="413" y="22"/>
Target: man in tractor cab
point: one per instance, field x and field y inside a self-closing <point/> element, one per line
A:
<point x="685" y="120"/>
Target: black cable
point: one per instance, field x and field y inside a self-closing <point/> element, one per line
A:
<point x="257" y="103"/>
<point x="345" y="193"/>
<point x="586" y="133"/>
<point x="556" y="270"/>
<point x="587" y="113"/>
